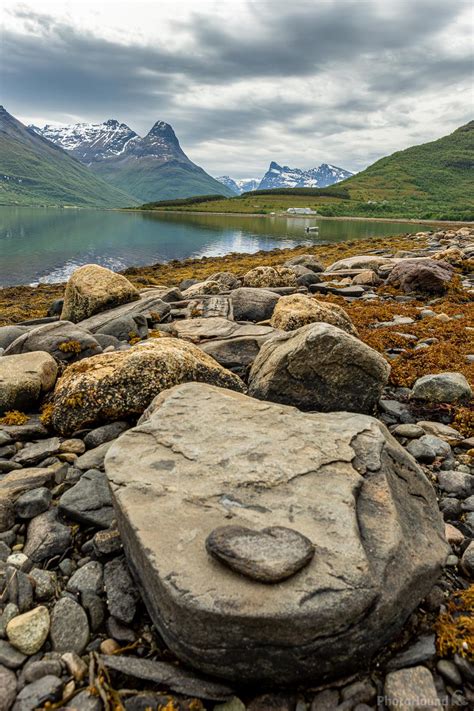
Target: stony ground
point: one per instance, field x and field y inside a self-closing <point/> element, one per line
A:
<point x="74" y="631"/>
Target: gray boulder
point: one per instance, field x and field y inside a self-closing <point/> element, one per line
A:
<point x="253" y="304"/>
<point x="64" y="340"/>
<point x="199" y="330"/>
<point x="150" y="304"/>
<point x="8" y="334"/>
<point x="24" y="379"/>
<point x="442" y="387"/>
<point x="126" y="327"/>
<point x="319" y="367"/>
<point x="305" y="260"/>
<point x="341" y="480"/>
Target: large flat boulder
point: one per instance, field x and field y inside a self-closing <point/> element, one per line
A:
<point x="426" y="276"/>
<point x="296" y="310"/>
<point x="319" y="367"/>
<point x="24" y="379"/>
<point x="211" y="458"/>
<point x="92" y="289"/>
<point x="64" y="340"/>
<point x="113" y="386"/>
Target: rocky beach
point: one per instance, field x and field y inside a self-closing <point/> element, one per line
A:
<point x="243" y="482"/>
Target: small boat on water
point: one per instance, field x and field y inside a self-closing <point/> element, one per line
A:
<point x="311" y="229"/>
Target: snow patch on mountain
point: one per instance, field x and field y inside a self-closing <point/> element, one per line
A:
<point x="278" y="176"/>
<point x="241" y="185"/>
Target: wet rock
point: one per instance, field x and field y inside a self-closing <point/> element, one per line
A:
<point x="319" y="367"/>
<point x="28" y="632"/>
<point x="46" y="537"/>
<point x="275" y="466"/>
<point x="32" y="503"/>
<point x="175" y="678"/>
<point x="121" y="593"/>
<point x="92" y="289"/>
<point x="442" y="387"/>
<point x="263" y="277"/>
<point x="115" y="385"/>
<point x="253" y="304"/>
<point x="36" y="694"/>
<point x="89" y="501"/>
<point x="269" y="555"/>
<point x="292" y="312"/>
<point x="105" y="433"/>
<point x="24" y="379"/>
<point x="65" y="341"/>
<point x="413" y="688"/>
<point x="8" y="688"/>
<point x="69" y="626"/>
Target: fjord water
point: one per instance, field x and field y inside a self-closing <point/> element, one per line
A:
<point x="47" y="244"/>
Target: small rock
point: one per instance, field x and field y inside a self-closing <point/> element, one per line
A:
<point x="326" y="700"/>
<point x="456" y="482"/>
<point x="449" y="671"/>
<point x="75" y="665"/>
<point x="76" y="446"/>
<point x="44" y="583"/>
<point x="453" y="535"/>
<point x="9" y="612"/>
<point x="33" y="502"/>
<point x="38" y="668"/>
<point x="93" y="458"/>
<point x="413" y="688"/>
<point x="8" y="688"/>
<point x="89" y="577"/>
<point x="85" y="701"/>
<point x="46" y="537"/>
<point x="421" y="651"/>
<point x="120" y="589"/>
<point x="89" y="501"/>
<point x="408" y="430"/>
<point x="103" y="434"/>
<point x="467" y="560"/>
<point x="28" y="632"/>
<point x="36" y="694"/>
<point x="269" y="555"/>
<point x="69" y="626"/>
<point x="11" y="657"/>
<point x="37" y="451"/>
<point x="109" y="646"/>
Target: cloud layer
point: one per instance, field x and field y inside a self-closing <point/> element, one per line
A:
<point x="337" y="81"/>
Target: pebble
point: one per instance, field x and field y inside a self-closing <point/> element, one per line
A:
<point x="9" y="612"/>
<point x="411" y="688"/>
<point x="428" y="448"/>
<point x="85" y="701"/>
<point x="89" y="501"/>
<point x="32" y="503"/>
<point x="326" y="700"/>
<point x="421" y="651"/>
<point x="109" y="646"/>
<point x="88" y="578"/>
<point x="69" y="626"/>
<point x="46" y="537"/>
<point x="75" y="665"/>
<point x="11" y="657"/>
<point x="39" y="668"/>
<point x="410" y="431"/>
<point x="103" y="434"/>
<point x="467" y="560"/>
<point x="455" y="482"/>
<point x="120" y="589"/>
<point x="45" y="582"/>
<point x="453" y="535"/>
<point x="28" y="632"/>
<point x="73" y="446"/>
<point x="36" y="694"/>
<point x="7" y="688"/>
<point x="19" y="560"/>
<point x="449" y="671"/>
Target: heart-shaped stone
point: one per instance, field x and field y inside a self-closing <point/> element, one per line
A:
<point x="269" y="555"/>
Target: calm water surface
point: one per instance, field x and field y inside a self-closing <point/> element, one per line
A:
<point x="47" y="244"/>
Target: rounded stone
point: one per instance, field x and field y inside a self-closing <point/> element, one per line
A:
<point x="28" y="632"/>
<point x="69" y="627"/>
<point x="296" y="310"/>
<point x="442" y="387"/>
<point x="269" y="555"/>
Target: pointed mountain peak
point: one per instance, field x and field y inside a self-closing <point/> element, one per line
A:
<point x="164" y="131"/>
<point x="274" y="166"/>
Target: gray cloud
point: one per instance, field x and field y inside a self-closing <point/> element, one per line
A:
<point x="297" y="75"/>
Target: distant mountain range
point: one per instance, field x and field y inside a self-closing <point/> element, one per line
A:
<point x="278" y="176"/>
<point x="34" y="171"/>
<point x="151" y="168"/>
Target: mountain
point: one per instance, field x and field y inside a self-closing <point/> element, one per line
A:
<point x="151" y="168"/>
<point x="34" y="171"/>
<point x="429" y="180"/>
<point x="238" y="187"/>
<point x="278" y="176"/>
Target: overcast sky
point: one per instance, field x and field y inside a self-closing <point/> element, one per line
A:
<point x="244" y="82"/>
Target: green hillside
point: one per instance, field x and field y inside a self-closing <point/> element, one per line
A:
<point x="431" y="180"/>
<point x="147" y="180"/>
<point x="33" y="171"/>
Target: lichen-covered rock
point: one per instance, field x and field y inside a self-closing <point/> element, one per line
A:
<point x="319" y="367"/>
<point x="92" y="289"/>
<point x="24" y="378"/>
<point x="112" y="386"/>
<point x="367" y="277"/>
<point x="202" y="287"/>
<point x="63" y="340"/>
<point x="421" y="275"/>
<point x="442" y="387"/>
<point x="226" y="280"/>
<point x="211" y="457"/>
<point x="270" y="277"/>
<point x="296" y="310"/>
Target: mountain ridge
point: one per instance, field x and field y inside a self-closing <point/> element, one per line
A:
<point x="152" y="167"/>
<point x="278" y="176"/>
<point x="34" y="171"/>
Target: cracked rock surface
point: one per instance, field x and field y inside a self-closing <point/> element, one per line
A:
<point x="339" y="479"/>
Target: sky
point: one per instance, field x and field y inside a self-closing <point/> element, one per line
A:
<point x="244" y="82"/>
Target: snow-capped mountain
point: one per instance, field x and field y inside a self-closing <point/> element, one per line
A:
<point x="278" y="176"/>
<point x="244" y="185"/>
<point x="151" y="168"/>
